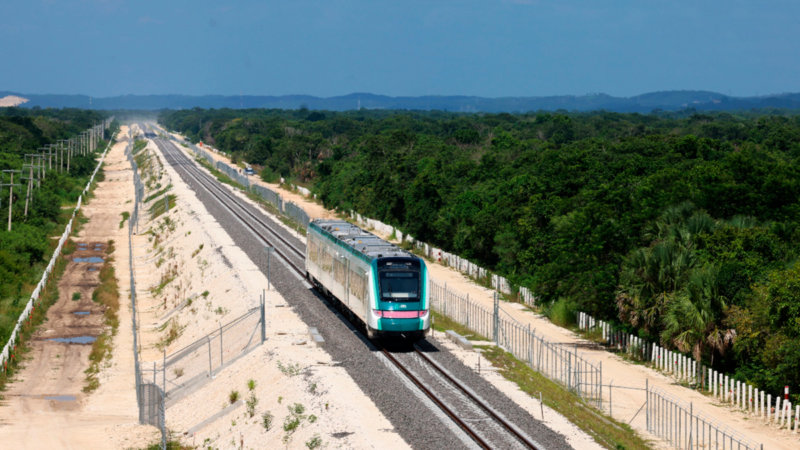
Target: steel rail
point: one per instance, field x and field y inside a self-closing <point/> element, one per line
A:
<point x="244" y="220"/>
<point x="450" y="413"/>
<point x="468" y="392"/>
<point x="230" y="196"/>
<point x="234" y="200"/>
<point x="469" y="430"/>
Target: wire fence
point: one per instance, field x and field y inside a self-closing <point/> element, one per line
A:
<point x="11" y="344"/>
<point x="748" y="399"/>
<point x="296" y="213"/>
<point x="150" y="396"/>
<point x="188" y="369"/>
<point x="558" y="362"/>
<point x="678" y="423"/>
<point x="191" y="367"/>
<point x="290" y="209"/>
<point x="233" y="173"/>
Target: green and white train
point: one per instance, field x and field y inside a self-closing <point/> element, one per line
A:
<point x="378" y="282"/>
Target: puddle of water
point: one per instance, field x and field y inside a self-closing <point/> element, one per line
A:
<point x="82" y="313"/>
<point x="92" y="259"/>
<point x="61" y="398"/>
<point x="58" y="398"/>
<point x="93" y="269"/>
<point x="76" y="340"/>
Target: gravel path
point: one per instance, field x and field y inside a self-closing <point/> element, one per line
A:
<point x="420" y="426"/>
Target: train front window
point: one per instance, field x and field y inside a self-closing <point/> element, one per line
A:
<point x="399" y="285"/>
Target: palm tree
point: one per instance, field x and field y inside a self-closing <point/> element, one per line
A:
<point x="649" y="276"/>
<point x="692" y="314"/>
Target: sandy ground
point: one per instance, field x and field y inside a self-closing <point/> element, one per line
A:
<point x="616" y="370"/>
<point x="234" y="284"/>
<point x="12" y="100"/>
<point x="74" y="420"/>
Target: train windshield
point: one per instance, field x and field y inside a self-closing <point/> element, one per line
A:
<point x="399" y="282"/>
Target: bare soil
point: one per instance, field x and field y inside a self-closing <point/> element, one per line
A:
<point x="12" y="100"/>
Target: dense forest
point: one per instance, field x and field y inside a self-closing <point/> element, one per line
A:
<point x="680" y="226"/>
<point x="26" y="249"/>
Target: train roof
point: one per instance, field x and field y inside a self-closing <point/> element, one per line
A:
<point x="359" y="240"/>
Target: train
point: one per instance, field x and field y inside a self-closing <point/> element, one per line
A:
<point x="384" y="286"/>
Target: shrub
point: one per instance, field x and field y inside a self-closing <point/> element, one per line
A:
<point x="314" y="442"/>
<point x="251" y="405"/>
<point x="233" y="397"/>
<point x="562" y="312"/>
<point x="266" y="420"/>
<point x="76" y="296"/>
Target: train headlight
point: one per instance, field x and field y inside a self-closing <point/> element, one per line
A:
<point x="423" y="313"/>
<point x="378" y="313"/>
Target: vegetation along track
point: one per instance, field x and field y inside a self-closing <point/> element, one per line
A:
<point x="487" y="427"/>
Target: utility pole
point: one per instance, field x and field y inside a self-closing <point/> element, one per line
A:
<point x="42" y="151"/>
<point x="63" y="144"/>
<point x="30" y="183"/>
<point x="37" y="159"/>
<point x="10" y="193"/>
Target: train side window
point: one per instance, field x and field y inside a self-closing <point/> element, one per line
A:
<point x="339" y="271"/>
<point x="358" y="285"/>
<point x="326" y="260"/>
<point x="313" y="251"/>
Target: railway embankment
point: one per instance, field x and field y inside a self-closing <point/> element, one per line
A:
<point x="195" y="283"/>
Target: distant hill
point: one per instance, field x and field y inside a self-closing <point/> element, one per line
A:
<point x="644" y="103"/>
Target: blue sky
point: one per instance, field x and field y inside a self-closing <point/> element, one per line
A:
<point x="489" y="48"/>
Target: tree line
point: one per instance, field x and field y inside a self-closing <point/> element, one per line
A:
<point x="681" y="227"/>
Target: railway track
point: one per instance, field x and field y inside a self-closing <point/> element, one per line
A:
<point x="488" y="428"/>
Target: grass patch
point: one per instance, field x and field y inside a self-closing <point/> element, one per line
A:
<point x="125" y="216"/>
<point x="443" y="323"/>
<point x="157" y="194"/>
<point x="172" y="334"/>
<point x="562" y="312"/>
<point x="76" y="296"/>
<point x="160" y="208"/>
<point x="614" y="437"/>
<point x="106" y="294"/>
<point x="171" y="445"/>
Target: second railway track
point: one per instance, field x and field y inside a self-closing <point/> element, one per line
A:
<point x="488" y="428"/>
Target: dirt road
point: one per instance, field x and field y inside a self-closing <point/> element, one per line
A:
<point x="45" y="406"/>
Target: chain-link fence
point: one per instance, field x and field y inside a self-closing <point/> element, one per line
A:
<point x="196" y="364"/>
<point x="179" y="374"/>
<point x="233" y="174"/>
<point x="558" y="362"/>
<point x="676" y="422"/>
<point x="296" y="213"/>
<point x="149" y="395"/>
<point x="269" y="195"/>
